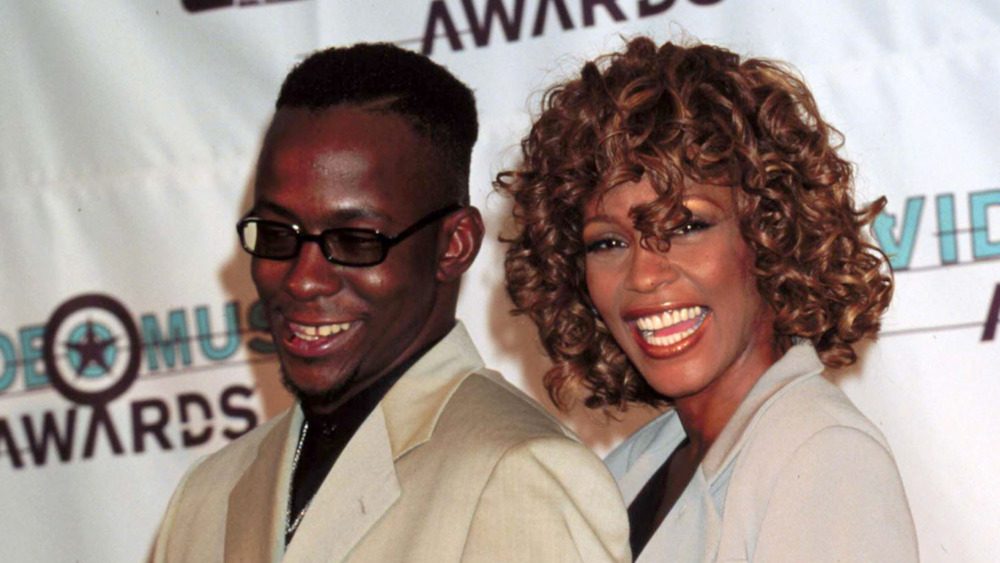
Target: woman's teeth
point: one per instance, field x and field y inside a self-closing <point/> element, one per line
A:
<point x="669" y="318"/>
<point x="670" y="327"/>
<point x="669" y="339"/>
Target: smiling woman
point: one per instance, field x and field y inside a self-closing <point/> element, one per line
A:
<point x="685" y="317"/>
<point x="687" y="236"/>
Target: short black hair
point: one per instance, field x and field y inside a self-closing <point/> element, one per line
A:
<point x="385" y="78"/>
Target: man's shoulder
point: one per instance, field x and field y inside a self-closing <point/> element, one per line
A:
<point x="486" y="402"/>
<point x="505" y="478"/>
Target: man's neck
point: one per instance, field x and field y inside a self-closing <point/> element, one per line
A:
<point x="385" y="378"/>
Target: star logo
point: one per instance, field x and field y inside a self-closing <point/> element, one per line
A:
<point x="91" y="349"/>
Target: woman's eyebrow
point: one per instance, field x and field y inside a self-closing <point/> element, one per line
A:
<point x="688" y="199"/>
<point x="602" y="218"/>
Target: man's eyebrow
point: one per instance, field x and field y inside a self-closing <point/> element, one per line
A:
<point x="353" y="213"/>
<point x="333" y="217"/>
<point x="273" y="208"/>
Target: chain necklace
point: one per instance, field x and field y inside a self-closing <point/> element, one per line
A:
<point x="292" y="525"/>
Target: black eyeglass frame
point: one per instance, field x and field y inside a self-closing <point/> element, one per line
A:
<point x="386" y="242"/>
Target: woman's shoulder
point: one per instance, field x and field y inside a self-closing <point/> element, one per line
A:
<point x="810" y="417"/>
<point x="809" y="407"/>
<point x="813" y="464"/>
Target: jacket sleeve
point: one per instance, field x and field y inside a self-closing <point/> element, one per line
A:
<point x="839" y="498"/>
<point x="549" y="500"/>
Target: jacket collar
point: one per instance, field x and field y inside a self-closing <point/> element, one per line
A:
<point x="694" y="525"/>
<point x="798" y="362"/>
<point x="255" y="522"/>
<point x="362" y="485"/>
<point x="635" y="460"/>
<point x="413" y="405"/>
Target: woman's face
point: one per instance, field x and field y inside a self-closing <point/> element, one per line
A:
<point x="690" y="319"/>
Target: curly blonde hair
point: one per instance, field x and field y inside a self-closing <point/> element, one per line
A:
<point x="673" y="112"/>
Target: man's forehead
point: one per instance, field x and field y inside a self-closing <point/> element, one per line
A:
<point x="345" y="160"/>
<point x="342" y="119"/>
<point x="343" y="139"/>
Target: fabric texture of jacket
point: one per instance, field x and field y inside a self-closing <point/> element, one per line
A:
<point x="454" y="464"/>
<point x="797" y="474"/>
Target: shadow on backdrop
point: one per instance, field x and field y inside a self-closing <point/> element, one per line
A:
<point x="234" y="276"/>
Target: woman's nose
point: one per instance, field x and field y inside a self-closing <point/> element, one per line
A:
<point x="650" y="268"/>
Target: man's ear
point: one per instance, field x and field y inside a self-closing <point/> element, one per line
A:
<point x="462" y="235"/>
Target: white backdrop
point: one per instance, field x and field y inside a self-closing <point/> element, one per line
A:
<point x="128" y="132"/>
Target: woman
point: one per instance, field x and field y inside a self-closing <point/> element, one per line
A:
<point x="687" y="236"/>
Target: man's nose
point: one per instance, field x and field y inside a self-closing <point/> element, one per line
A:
<point x="312" y="275"/>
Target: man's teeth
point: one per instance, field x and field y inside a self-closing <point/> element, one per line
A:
<point x="669" y="318"/>
<point x="313" y="333"/>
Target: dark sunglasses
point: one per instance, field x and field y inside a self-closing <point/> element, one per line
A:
<point x="274" y="240"/>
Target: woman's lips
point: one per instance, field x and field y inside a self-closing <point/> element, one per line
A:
<point x="667" y="333"/>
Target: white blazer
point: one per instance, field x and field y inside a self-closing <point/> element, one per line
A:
<point x="453" y="465"/>
<point x="798" y="474"/>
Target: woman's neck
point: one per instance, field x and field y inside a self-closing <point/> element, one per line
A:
<point x="705" y="414"/>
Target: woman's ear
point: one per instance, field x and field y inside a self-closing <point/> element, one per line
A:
<point x="463" y="235"/>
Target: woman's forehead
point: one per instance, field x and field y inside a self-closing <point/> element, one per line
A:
<point x="647" y="190"/>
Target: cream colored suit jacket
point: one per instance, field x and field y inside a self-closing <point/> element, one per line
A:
<point x="798" y="475"/>
<point x="453" y="465"/>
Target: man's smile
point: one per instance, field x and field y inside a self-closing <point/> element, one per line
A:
<point x="316" y="339"/>
<point x="313" y="333"/>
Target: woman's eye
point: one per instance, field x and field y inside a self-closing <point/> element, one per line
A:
<point x="605" y="244"/>
<point x="692" y="226"/>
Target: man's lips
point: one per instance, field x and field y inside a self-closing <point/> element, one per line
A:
<point x="669" y="332"/>
<point x="313" y="333"/>
<point x="315" y="339"/>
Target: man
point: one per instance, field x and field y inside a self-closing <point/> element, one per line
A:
<point x="401" y="446"/>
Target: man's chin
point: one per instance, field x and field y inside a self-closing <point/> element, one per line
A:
<point x="318" y="401"/>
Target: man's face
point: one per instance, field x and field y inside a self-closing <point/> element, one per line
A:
<point x="337" y="327"/>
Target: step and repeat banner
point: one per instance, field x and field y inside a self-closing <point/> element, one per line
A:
<point x="131" y="338"/>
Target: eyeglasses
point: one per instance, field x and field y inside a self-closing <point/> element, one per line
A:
<point x="275" y="240"/>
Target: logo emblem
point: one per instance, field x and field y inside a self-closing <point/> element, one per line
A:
<point x="92" y="349"/>
<point x="195" y="6"/>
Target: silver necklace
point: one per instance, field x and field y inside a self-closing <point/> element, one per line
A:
<point x="290" y="525"/>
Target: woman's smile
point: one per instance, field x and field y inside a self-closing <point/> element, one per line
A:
<point x="670" y="332"/>
<point x="686" y="313"/>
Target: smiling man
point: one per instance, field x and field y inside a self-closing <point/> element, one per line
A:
<point x="401" y="446"/>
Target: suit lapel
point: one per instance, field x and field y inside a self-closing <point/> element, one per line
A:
<point x="363" y="484"/>
<point x="413" y="405"/>
<point x="255" y="523"/>
<point x="359" y="489"/>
